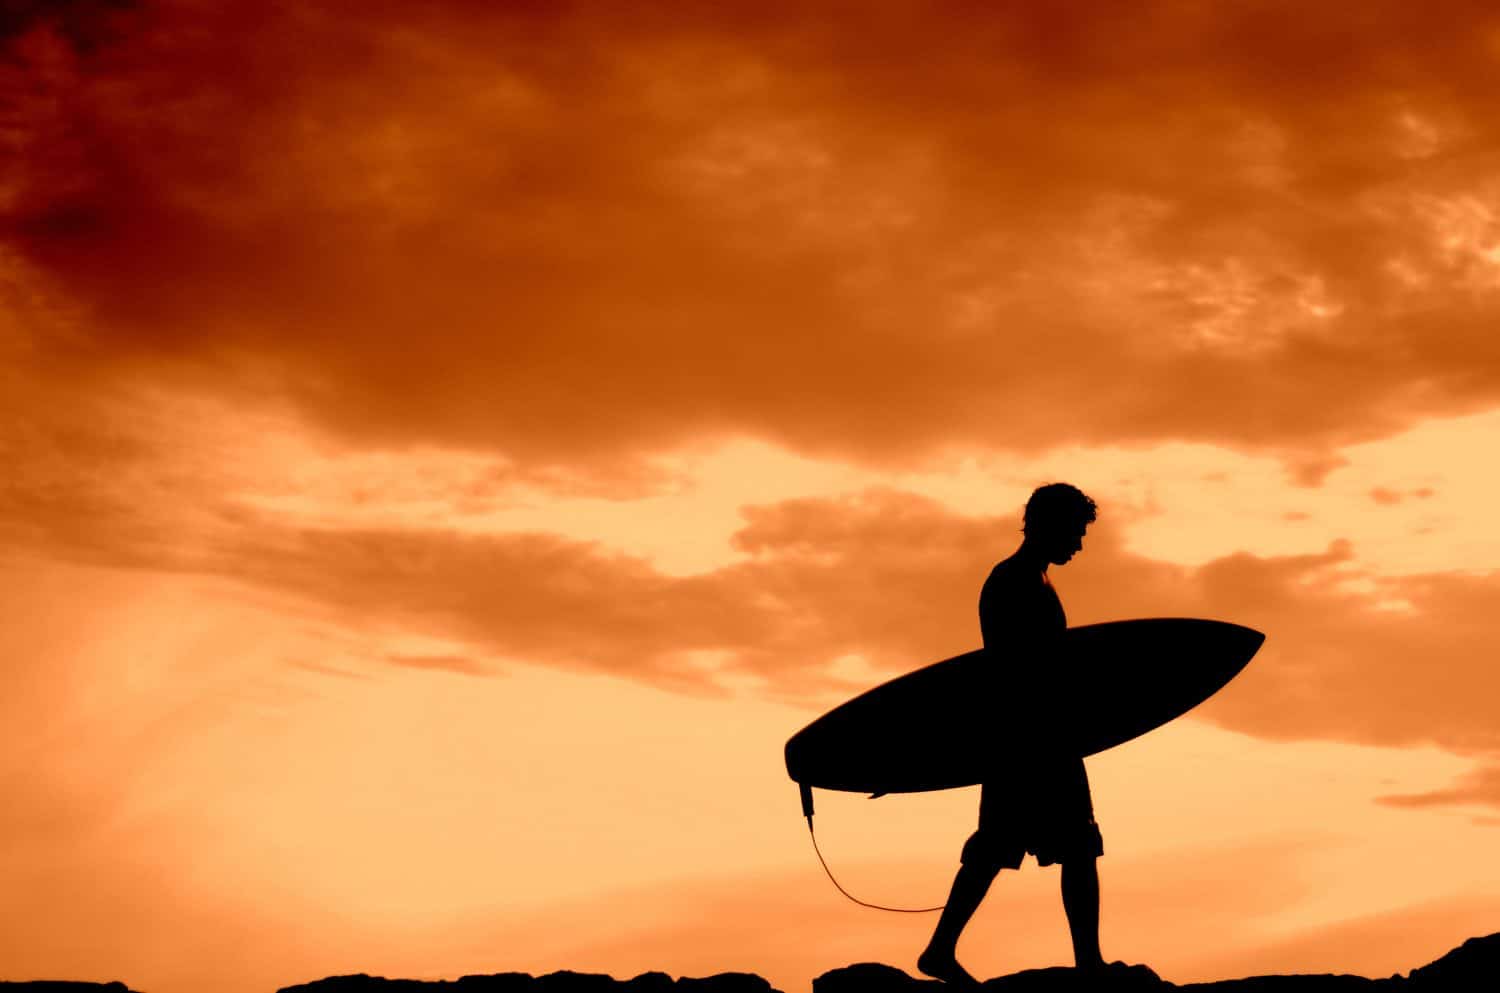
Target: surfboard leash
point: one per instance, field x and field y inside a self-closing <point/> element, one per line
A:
<point x="807" y="811"/>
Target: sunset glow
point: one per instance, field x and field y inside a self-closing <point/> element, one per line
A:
<point x="450" y="448"/>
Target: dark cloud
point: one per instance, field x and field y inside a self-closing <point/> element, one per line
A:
<point x="85" y="24"/>
<point x="573" y="233"/>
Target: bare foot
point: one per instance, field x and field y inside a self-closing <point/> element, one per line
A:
<point x="946" y="968"/>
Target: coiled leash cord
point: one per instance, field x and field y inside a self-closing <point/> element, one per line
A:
<point x="807" y="812"/>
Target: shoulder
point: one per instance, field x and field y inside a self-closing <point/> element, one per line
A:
<point x="1009" y="573"/>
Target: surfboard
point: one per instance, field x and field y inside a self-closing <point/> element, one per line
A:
<point x="963" y="720"/>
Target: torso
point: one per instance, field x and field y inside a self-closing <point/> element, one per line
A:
<point x="1018" y="604"/>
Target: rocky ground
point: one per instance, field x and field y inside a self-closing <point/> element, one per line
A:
<point x="1473" y="967"/>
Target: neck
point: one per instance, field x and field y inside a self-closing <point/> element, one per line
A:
<point x="1032" y="556"/>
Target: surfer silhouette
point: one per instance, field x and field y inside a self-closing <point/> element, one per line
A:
<point x="1041" y="806"/>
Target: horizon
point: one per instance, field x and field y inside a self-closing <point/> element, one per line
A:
<point x="451" y="450"/>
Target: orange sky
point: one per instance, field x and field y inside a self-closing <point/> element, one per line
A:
<point x="449" y="448"/>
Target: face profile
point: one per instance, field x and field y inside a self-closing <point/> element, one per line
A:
<point x="1056" y="518"/>
<point x="1063" y="543"/>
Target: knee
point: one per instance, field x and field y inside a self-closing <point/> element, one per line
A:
<point x="981" y="855"/>
<point x="975" y="851"/>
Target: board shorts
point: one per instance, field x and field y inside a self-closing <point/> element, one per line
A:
<point x="1044" y="810"/>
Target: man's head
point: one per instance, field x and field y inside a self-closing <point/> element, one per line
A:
<point x="1057" y="515"/>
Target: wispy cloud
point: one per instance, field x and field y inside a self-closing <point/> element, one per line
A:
<point x="883" y="575"/>
<point x="892" y="578"/>
<point x="1479" y="788"/>
<point x="443" y="663"/>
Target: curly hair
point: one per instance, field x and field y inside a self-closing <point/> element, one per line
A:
<point x="1058" y="505"/>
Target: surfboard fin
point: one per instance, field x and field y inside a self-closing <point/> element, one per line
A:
<point x="874" y="796"/>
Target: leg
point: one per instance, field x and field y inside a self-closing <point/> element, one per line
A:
<point x="969" y="887"/>
<point x="1080" y="895"/>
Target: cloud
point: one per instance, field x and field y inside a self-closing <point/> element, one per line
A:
<point x="882" y="576"/>
<point x="892" y="579"/>
<point x="1387" y="497"/>
<point x="327" y="670"/>
<point x="442" y="663"/>
<point x="572" y="237"/>
<point x="1479" y="788"/>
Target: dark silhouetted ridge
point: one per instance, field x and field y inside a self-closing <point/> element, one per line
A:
<point x="1476" y="962"/>
<point x="553" y="982"/>
<point x="65" y="986"/>
<point x="1473" y="967"/>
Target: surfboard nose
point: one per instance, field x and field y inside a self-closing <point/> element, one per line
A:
<point x="1246" y="641"/>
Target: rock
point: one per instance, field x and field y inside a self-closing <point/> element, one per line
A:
<point x="1474" y="965"/>
<point x="499" y="982"/>
<point x="726" y="982"/>
<point x="1305" y="983"/>
<point x="564" y="981"/>
<point x="872" y="977"/>
<point x="650" y="982"/>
